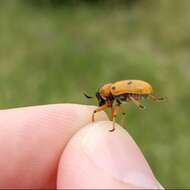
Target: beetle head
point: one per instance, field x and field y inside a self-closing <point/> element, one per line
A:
<point x="101" y="100"/>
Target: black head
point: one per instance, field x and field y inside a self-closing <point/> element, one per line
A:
<point x="101" y="100"/>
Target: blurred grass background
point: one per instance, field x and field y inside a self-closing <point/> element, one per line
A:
<point x="51" y="51"/>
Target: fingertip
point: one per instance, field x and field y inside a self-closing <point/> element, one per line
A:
<point x="97" y="158"/>
<point x="77" y="170"/>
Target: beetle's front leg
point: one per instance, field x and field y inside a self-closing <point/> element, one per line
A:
<point x="101" y="108"/>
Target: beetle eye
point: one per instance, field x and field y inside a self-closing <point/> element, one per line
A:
<point x="101" y="100"/>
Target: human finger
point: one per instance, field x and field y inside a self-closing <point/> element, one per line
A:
<point x="32" y="140"/>
<point x="97" y="158"/>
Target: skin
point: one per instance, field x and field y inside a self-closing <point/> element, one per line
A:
<point x="57" y="146"/>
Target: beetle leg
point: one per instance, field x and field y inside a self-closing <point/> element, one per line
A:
<point x="123" y="120"/>
<point x="122" y="116"/>
<point x="154" y="98"/>
<point x="122" y="112"/>
<point x="137" y="103"/>
<point x="97" y="110"/>
<point x="118" y="101"/>
<point x="115" y="110"/>
<point x="113" y="116"/>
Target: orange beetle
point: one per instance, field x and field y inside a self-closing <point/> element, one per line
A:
<point x="122" y="91"/>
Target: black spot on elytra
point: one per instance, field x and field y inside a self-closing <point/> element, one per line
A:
<point x="130" y="82"/>
<point x="113" y="87"/>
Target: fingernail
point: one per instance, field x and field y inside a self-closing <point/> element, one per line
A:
<point x="117" y="154"/>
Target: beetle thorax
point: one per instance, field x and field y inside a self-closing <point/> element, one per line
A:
<point x="105" y="90"/>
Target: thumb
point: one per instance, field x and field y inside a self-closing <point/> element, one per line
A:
<point x="96" y="158"/>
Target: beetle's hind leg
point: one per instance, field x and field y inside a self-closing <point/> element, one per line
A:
<point x="137" y="103"/>
<point x="154" y="98"/>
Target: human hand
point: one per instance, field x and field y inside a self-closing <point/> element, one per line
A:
<point x="57" y="146"/>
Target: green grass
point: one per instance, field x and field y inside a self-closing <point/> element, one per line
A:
<point x="52" y="55"/>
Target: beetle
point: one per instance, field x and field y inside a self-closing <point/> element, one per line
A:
<point x="112" y="95"/>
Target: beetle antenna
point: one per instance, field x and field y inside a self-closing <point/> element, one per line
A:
<point x="87" y="96"/>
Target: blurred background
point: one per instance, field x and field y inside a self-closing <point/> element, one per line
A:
<point x="51" y="51"/>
